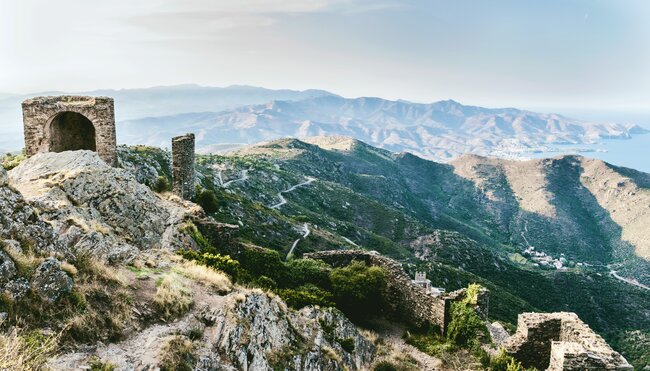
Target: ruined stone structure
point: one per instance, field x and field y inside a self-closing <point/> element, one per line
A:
<point x="561" y="341"/>
<point x="183" y="166"/>
<point x="69" y="123"/>
<point x="410" y="302"/>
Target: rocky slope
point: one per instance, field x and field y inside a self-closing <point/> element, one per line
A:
<point x="65" y="215"/>
<point x="471" y="221"/>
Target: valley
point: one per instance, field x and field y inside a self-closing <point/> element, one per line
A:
<point x="461" y="222"/>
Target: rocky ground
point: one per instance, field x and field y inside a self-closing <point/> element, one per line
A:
<point x="97" y="247"/>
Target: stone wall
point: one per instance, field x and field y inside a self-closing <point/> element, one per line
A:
<point x="68" y="123"/>
<point x="409" y="302"/>
<point x="561" y="341"/>
<point x="183" y="166"/>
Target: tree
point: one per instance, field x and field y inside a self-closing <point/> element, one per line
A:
<point x="358" y="289"/>
<point x="208" y="201"/>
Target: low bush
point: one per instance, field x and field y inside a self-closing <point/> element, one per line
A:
<point x="466" y="328"/>
<point x="172" y="296"/>
<point x="504" y="362"/>
<point x="358" y="289"/>
<point x="306" y="295"/>
<point x="207" y="199"/>
<point x="177" y="354"/>
<point x="207" y="275"/>
<point x="26" y="351"/>
<point x="162" y="184"/>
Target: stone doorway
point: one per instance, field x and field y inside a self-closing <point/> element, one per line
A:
<point x="71" y="131"/>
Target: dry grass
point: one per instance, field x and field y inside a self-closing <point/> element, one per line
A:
<point x="22" y="351"/>
<point x="69" y="268"/>
<point x="177" y="354"/>
<point x="206" y="275"/>
<point x="172" y="296"/>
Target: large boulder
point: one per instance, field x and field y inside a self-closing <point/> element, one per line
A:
<point x="96" y="207"/>
<point x="50" y="281"/>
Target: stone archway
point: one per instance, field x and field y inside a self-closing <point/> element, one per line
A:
<point x="71" y="131"/>
<point x="69" y="123"/>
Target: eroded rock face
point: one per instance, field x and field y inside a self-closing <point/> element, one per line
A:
<point x="95" y="207"/>
<point x="50" y="281"/>
<point x="245" y="330"/>
<point x="7" y="268"/>
<point x="21" y="225"/>
<point x="260" y="333"/>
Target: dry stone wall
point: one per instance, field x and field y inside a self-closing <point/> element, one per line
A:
<point x="183" y="166"/>
<point x="68" y="123"/>
<point x="561" y="341"/>
<point x="409" y="302"/>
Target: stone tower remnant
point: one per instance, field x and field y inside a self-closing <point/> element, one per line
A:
<point x="70" y="123"/>
<point x="183" y="166"/>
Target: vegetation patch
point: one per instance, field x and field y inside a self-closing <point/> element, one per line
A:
<point x="177" y="354"/>
<point x="173" y="298"/>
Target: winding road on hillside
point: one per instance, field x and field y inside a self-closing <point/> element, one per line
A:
<point x="291" y="189"/>
<point x="306" y="232"/>
<point x="244" y="176"/>
<point x="615" y="274"/>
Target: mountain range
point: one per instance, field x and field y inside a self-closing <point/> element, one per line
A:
<point x="233" y="116"/>
<point x="440" y="131"/>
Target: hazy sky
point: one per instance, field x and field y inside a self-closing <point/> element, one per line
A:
<point x="536" y="53"/>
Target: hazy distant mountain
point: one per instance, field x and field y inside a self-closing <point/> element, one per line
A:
<point x="155" y="101"/>
<point x="440" y="130"/>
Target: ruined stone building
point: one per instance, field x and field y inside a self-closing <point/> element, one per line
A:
<point x="69" y="123"/>
<point x="183" y="166"/>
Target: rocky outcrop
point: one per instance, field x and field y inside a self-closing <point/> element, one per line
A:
<point x="20" y="224"/>
<point x="94" y="207"/>
<point x="267" y="335"/>
<point x="245" y="330"/>
<point x="7" y="268"/>
<point x="50" y="281"/>
<point x="561" y="341"/>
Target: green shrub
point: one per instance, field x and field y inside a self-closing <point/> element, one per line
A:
<point x="208" y="201"/>
<point x="162" y="184"/>
<point x="385" y="366"/>
<point x="306" y="295"/>
<point x="266" y="282"/>
<point x="302" y="271"/>
<point x="263" y="262"/>
<point x="466" y="328"/>
<point x="97" y="364"/>
<point x="358" y="289"/>
<point x="504" y="362"/>
<point x="197" y="236"/>
<point x="223" y="263"/>
<point x="347" y="344"/>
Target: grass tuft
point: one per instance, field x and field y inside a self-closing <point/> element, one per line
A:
<point x="173" y="297"/>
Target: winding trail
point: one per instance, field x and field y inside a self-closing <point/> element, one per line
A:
<point x="349" y="241"/>
<point x="306" y="232"/>
<point x="244" y="176"/>
<point x="523" y="234"/>
<point x="291" y="189"/>
<point x="615" y="274"/>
